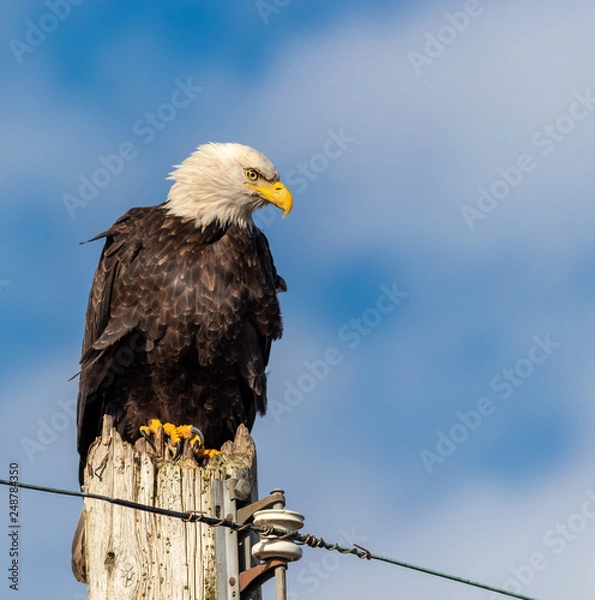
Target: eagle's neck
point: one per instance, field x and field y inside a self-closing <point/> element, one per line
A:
<point x="207" y="206"/>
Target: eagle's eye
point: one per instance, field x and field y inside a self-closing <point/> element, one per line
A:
<point x="252" y="174"/>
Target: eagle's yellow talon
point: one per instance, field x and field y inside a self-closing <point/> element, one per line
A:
<point x="173" y="432"/>
<point x="186" y="431"/>
<point x="152" y="427"/>
<point x="196" y="443"/>
<point x="176" y="435"/>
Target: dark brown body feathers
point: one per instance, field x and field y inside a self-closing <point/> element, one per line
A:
<point x="179" y="327"/>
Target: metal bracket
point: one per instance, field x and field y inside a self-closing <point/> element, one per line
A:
<point x="253" y="578"/>
<point x="276" y="499"/>
<point x="239" y="489"/>
<point x="235" y="547"/>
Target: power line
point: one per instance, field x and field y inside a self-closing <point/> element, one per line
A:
<point x="305" y="539"/>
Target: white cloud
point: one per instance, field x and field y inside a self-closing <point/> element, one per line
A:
<point x="424" y="144"/>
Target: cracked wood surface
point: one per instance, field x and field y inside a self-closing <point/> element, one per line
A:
<point x="134" y="555"/>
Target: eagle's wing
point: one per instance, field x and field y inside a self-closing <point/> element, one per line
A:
<point x="136" y="293"/>
<point x="264" y="325"/>
<point x="108" y="319"/>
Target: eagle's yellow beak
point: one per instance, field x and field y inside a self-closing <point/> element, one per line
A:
<point x="275" y="193"/>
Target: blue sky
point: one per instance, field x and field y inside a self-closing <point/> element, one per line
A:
<point x="462" y="179"/>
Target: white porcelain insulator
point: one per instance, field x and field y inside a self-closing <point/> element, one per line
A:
<point x="279" y="518"/>
<point x="275" y="548"/>
<point x="272" y="546"/>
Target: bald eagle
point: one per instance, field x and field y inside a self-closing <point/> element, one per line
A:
<point x="183" y="306"/>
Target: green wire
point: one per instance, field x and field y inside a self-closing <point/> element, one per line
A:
<point x="476" y="584"/>
<point x="361" y="553"/>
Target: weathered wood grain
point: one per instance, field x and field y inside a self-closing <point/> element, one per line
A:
<point x="135" y="555"/>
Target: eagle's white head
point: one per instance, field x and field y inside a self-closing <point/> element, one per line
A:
<point x="225" y="183"/>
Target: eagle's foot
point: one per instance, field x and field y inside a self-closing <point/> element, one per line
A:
<point x="199" y="451"/>
<point x="150" y="431"/>
<point x="176" y="434"/>
<point x="183" y="432"/>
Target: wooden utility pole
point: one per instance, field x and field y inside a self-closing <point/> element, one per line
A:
<point x="136" y="555"/>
